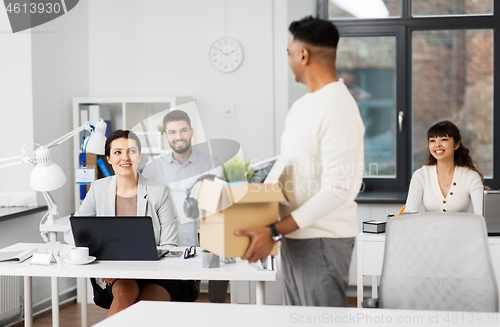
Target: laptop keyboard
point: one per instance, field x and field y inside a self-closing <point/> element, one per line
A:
<point x="161" y="253"/>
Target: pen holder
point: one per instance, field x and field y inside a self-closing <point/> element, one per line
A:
<point x="210" y="260"/>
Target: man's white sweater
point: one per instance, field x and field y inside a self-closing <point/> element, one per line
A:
<point x="323" y="147"/>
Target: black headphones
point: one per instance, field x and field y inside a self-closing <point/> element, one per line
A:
<point x="190" y="204"/>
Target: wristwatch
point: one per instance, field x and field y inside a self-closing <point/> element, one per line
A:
<point x="275" y="235"/>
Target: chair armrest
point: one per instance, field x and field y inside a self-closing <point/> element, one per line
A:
<point x="370" y="303"/>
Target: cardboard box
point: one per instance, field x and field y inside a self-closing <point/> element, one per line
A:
<point x="227" y="208"/>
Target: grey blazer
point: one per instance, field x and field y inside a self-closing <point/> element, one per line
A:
<point x="153" y="200"/>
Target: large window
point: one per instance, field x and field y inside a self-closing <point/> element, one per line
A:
<point x="451" y="7"/>
<point x="452" y="78"/>
<point x="350" y="9"/>
<point x="412" y="63"/>
<point x="367" y="64"/>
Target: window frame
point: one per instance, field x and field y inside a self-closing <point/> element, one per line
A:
<point x="403" y="27"/>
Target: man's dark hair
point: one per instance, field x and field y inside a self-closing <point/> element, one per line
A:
<point x="315" y="31"/>
<point x="120" y="134"/>
<point x="176" y="115"/>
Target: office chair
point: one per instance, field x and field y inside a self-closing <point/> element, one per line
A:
<point x="437" y="261"/>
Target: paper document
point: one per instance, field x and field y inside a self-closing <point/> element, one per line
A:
<point x="16" y="256"/>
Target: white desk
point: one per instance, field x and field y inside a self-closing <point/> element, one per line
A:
<point x="209" y="314"/>
<point x="370" y="252"/>
<point x="167" y="268"/>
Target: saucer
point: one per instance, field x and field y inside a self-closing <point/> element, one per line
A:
<point x="67" y="259"/>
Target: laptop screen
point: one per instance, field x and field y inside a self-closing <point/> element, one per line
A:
<point x="259" y="175"/>
<point x="116" y="238"/>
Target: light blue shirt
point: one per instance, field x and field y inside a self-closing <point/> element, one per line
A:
<point x="165" y="169"/>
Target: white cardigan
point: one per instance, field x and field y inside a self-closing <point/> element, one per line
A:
<point x="153" y="200"/>
<point x="466" y="186"/>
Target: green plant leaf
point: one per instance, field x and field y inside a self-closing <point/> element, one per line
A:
<point x="236" y="170"/>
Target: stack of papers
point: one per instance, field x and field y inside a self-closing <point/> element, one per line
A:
<point x="16" y="256"/>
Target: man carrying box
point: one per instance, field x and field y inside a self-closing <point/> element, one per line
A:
<point x="323" y="147"/>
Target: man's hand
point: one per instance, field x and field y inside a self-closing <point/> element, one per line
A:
<point x="261" y="243"/>
<point x="108" y="281"/>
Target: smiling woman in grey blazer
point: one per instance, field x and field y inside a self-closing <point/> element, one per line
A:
<point x="152" y="200"/>
<point x="128" y="193"/>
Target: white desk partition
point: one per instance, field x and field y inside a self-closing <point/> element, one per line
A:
<point x="147" y="313"/>
<point x="370" y="252"/>
<point x="167" y="268"/>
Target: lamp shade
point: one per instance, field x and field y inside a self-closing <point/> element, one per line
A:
<point x="97" y="139"/>
<point x="46" y="176"/>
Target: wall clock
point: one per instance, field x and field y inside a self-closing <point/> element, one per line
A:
<point x="226" y="54"/>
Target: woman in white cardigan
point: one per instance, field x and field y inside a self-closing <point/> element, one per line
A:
<point x="449" y="180"/>
<point x="130" y="194"/>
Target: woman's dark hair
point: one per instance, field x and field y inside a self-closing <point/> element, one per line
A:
<point x="461" y="156"/>
<point x="120" y="134"/>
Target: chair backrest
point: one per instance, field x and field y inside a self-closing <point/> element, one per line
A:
<point x="438" y="261"/>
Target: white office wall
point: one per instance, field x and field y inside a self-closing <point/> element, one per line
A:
<point x="16" y="112"/>
<point x="161" y="47"/>
<point x="59" y="72"/>
<point x="16" y="129"/>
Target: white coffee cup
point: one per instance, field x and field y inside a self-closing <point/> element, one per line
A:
<point x="79" y="253"/>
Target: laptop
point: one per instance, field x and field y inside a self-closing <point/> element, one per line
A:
<point x="117" y="238"/>
<point x="491" y="212"/>
<point x="267" y="171"/>
<point x="259" y="175"/>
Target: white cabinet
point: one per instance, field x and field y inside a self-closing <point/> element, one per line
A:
<point x="142" y="115"/>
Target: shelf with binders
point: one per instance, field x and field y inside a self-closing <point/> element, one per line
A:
<point x="142" y="115"/>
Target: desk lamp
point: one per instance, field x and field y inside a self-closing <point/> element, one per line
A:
<point x="48" y="176"/>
